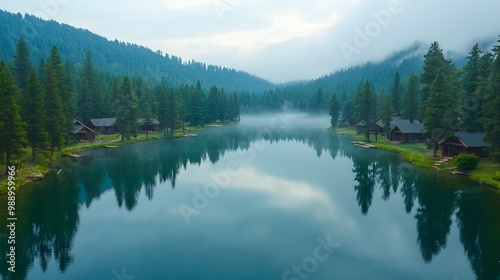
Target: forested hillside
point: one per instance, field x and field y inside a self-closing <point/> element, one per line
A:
<point x="116" y="57"/>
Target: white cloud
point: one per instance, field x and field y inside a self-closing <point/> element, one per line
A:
<point x="279" y="40"/>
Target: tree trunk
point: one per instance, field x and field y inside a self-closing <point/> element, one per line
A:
<point x="52" y="148"/>
<point x="7" y="162"/>
<point x="33" y="154"/>
<point x="147" y="133"/>
<point x="183" y="128"/>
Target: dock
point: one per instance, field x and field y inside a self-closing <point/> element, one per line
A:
<point x="363" y="144"/>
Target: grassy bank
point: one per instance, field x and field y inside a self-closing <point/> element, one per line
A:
<point x="419" y="155"/>
<point x="28" y="171"/>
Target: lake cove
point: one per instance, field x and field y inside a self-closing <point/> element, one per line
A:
<point x="273" y="197"/>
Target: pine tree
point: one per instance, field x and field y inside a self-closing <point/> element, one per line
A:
<point x="35" y="121"/>
<point x="56" y="123"/>
<point x="230" y="107"/>
<point x="172" y="112"/>
<point x="334" y="110"/>
<point x="127" y="110"/>
<point x="182" y="111"/>
<point x="317" y="102"/>
<point x="397" y="92"/>
<point x="13" y="135"/>
<point x="196" y="109"/>
<point x="492" y="120"/>
<point x="90" y="99"/>
<point x="22" y="69"/>
<point x="214" y="101"/>
<point x="22" y="64"/>
<point x="386" y="113"/>
<point x="64" y="84"/>
<point x="365" y="109"/>
<point x="223" y="105"/>
<point x="162" y="107"/>
<point x="146" y="106"/>
<point x="113" y="98"/>
<point x="410" y="100"/>
<point x="434" y="60"/>
<point x="471" y="105"/>
<point x="236" y="104"/>
<point x="348" y="113"/>
<point x="438" y="121"/>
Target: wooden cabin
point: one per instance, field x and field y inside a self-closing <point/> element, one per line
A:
<point x="465" y="142"/>
<point x="103" y="125"/>
<point x="81" y="132"/>
<point x="151" y="127"/>
<point x="377" y="127"/>
<point x="404" y="131"/>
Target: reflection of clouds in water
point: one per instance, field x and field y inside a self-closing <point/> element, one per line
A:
<point x="293" y="196"/>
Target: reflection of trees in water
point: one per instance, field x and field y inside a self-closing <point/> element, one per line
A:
<point x="365" y="176"/>
<point x="433" y="216"/>
<point x="46" y="227"/>
<point x="52" y="210"/>
<point x="481" y="242"/>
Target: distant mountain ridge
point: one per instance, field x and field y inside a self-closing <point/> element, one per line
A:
<point x="116" y="57"/>
<point x="345" y="82"/>
<point x="120" y="58"/>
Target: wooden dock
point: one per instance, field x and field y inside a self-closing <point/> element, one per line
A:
<point x="363" y="145"/>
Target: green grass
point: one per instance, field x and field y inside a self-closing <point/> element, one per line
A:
<point x="485" y="171"/>
<point x="416" y="153"/>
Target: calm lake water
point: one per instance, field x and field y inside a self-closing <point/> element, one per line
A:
<point x="275" y="197"/>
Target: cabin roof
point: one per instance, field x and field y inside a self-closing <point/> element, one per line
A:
<point x="472" y="139"/>
<point x="406" y="127"/>
<point x="153" y="121"/>
<point x="79" y="127"/>
<point x="103" y="122"/>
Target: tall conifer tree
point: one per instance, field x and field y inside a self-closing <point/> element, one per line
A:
<point x="13" y="135"/>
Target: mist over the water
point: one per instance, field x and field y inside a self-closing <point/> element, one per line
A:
<point x="284" y="121"/>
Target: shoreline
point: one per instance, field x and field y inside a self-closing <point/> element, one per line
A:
<point x="422" y="158"/>
<point x="30" y="173"/>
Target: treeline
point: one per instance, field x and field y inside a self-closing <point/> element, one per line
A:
<point x="445" y="99"/>
<point x="119" y="58"/>
<point x="39" y="104"/>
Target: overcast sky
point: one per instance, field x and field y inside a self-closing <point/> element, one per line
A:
<point x="280" y="40"/>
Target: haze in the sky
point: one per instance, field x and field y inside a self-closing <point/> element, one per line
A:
<point x="280" y="40"/>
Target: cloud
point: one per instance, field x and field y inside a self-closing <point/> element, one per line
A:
<point x="277" y="40"/>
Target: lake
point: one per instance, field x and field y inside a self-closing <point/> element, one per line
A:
<point x="273" y="197"/>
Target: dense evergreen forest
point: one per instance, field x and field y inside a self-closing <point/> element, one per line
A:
<point x="43" y="89"/>
<point x="443" y="98"/>
<point x="346" y="82"/>
<point x="116" y="57"/>
<point x="39" y="104"/>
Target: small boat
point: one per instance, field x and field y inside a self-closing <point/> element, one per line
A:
<point x="113" y="147"/>
<point x="460" y="173"/>
<point x="75" y="155"/>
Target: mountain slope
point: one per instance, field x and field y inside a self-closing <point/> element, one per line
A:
<point x="345" y="82"/>
<point x="116" y="57"/>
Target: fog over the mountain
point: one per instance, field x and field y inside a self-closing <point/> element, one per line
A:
<point x="278" y="40"/>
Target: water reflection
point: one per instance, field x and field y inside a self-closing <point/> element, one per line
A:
<point x="50" y="210"/>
